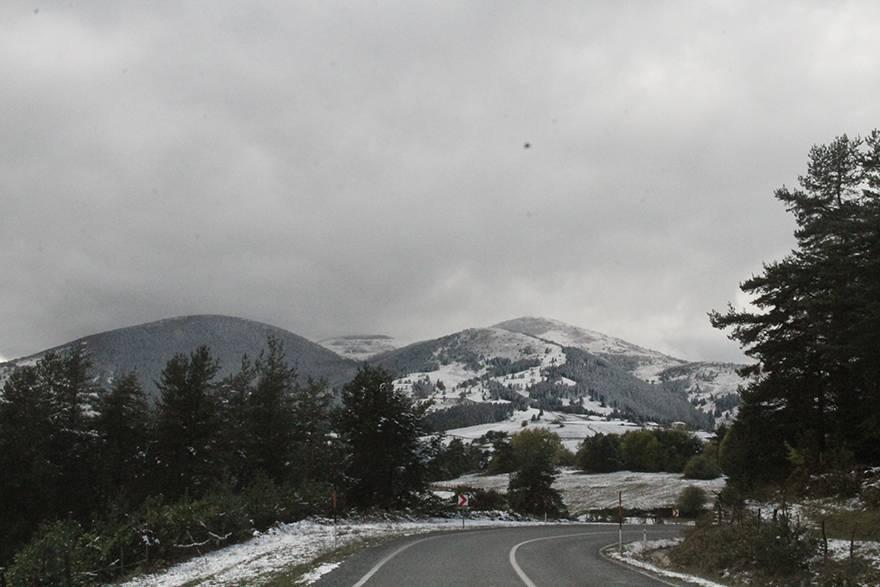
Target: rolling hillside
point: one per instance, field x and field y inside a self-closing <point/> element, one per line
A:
<point x="712" y="387"/>
<point x="146" y="348"/>
<point x="498" y="365"/>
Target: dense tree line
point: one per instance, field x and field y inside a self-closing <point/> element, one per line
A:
<point x="467" y="414"/>
<point x="814" y="397"/>
<point x="215" y="456"/>
<point x="652" y="450"/>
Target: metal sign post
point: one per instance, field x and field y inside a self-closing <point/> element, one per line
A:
<point x="462" y="503"/>
<point x="333" y="507"/>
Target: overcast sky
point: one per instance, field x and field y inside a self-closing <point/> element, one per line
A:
<point x="411" y="168"/>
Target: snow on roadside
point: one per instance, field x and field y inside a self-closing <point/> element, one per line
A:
<point x="287" y="545"/>
<point x="320" y="571"/>
<point x="631" y="556"/>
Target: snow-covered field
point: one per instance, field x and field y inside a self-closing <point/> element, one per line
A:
<point x="573" y="430"/>
<point x="582" y="492"/>
<point x="288" y="545"/>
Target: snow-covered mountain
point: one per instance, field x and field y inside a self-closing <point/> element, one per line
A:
<point x="711" y="387"/>
<point x="360" y="347"/>
<point x="644" y="363"/>
<point x="502" y="366"/>
<point x="524" y="364"/>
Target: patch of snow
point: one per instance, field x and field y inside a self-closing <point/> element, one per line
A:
<point x="360" y="348"/>
<point x="869" y="550"/>
<point x="571" y="428"/>
<point x="320" y="571"/>
<point x="630" y="556"/>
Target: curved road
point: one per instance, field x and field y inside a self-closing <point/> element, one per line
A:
<point x="528" y="556"/>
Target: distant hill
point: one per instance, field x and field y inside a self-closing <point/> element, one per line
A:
<point x="360" y="347"/>
<point x="497" y="365"/>
<point x="146" y="348"/>
<point x="525" y="362"/>
<point x="712" y="387"/>
<point x="641" y="362"/>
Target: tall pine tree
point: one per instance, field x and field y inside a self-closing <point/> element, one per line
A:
<point x="270" y="413"/>
<point x="316" y="447"/>
<point x="815" y="334"/>
<point x="123" y="426"/>
<point x="381" y="427"/>
<point x="187" y="427"/>
<point x="28" y="475"/>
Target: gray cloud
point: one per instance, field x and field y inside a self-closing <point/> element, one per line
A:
<point x="337" y="167"/>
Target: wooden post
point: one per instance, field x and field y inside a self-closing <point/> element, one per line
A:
<point x="68" y="578"/>
<point x="824" y="541"/>
<point x="620" y="521"/>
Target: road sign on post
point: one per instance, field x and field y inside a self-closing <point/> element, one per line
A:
<point x="675" y="513"/>
<point x="462" y="504"/>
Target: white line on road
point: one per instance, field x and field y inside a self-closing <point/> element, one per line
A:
<point x="529" y="583"/>
<point x="382" y="562"/>
<point x="379" y="564"/>
<point x="515" y="565"/>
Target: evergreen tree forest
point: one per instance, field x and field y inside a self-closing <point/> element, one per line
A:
<point x="813" y="402"/>
<point x="96" y="482"/>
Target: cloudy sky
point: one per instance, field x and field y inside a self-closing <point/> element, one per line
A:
<point x="411" y="168"/>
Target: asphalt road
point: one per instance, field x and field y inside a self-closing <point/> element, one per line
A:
<point x="532" y="556"/>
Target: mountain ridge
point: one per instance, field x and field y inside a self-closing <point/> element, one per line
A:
<point x="145" y="348"/>
<point x="527" y="361"/>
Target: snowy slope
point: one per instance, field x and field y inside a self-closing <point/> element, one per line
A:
<point x="711" y="387"/>
<point x="704" y="382"/>
<point x="360" y="347"/>
<point x="486" y="365"/>
<point x="643" y="363"/>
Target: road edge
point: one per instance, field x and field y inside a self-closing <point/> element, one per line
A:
<point x="655" y="572"/>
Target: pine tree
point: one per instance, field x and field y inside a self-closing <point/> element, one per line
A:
<point x="815" y="334"/>
<point x="315" y="446"/>
<point x="270" y="413"/>
<point x="28" y="474"/>
<point x="381" y="428"/>
<point x="72" y="395"/>
<point x="234" y="397"/>
<point x="187" y="427"/>
<point x="123" y="426"/>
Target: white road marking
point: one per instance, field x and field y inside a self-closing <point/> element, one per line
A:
<point x="382" y="562"/>
<point x="512" y="556"/>
<point x="379" y="564"/>
<point x="529" y="583"/>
